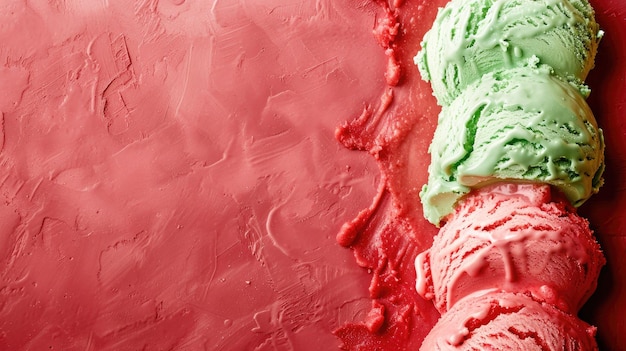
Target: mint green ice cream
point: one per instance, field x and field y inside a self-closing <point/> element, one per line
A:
<point x="524" y="124"/>
<point x="473" y="37"/>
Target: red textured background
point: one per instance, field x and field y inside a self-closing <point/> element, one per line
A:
<point x="170" y="177"/>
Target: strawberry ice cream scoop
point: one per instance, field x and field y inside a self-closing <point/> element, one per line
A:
<point x="509" y="321"/>
<point x="512" y="237"/>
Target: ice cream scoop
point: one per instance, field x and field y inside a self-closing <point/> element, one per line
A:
<point x="509" y="321"/>
<point x="516" y="238"/>
<point x="516" y="149"/>
<point x="472" y="37"/>
<point x="522" y="124"/>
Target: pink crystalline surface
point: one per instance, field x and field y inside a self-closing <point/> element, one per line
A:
<point x="508" y="321"/>
<point x="516" y="238"/>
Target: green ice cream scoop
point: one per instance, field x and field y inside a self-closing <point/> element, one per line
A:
<point x="524" y="124"/>
<point x="470" y="38"/>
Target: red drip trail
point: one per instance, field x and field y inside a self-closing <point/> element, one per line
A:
<point x="387" y="236"/>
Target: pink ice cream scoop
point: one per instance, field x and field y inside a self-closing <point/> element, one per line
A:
<point x="509" y="321"/>
<point x="512" y="237"/>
